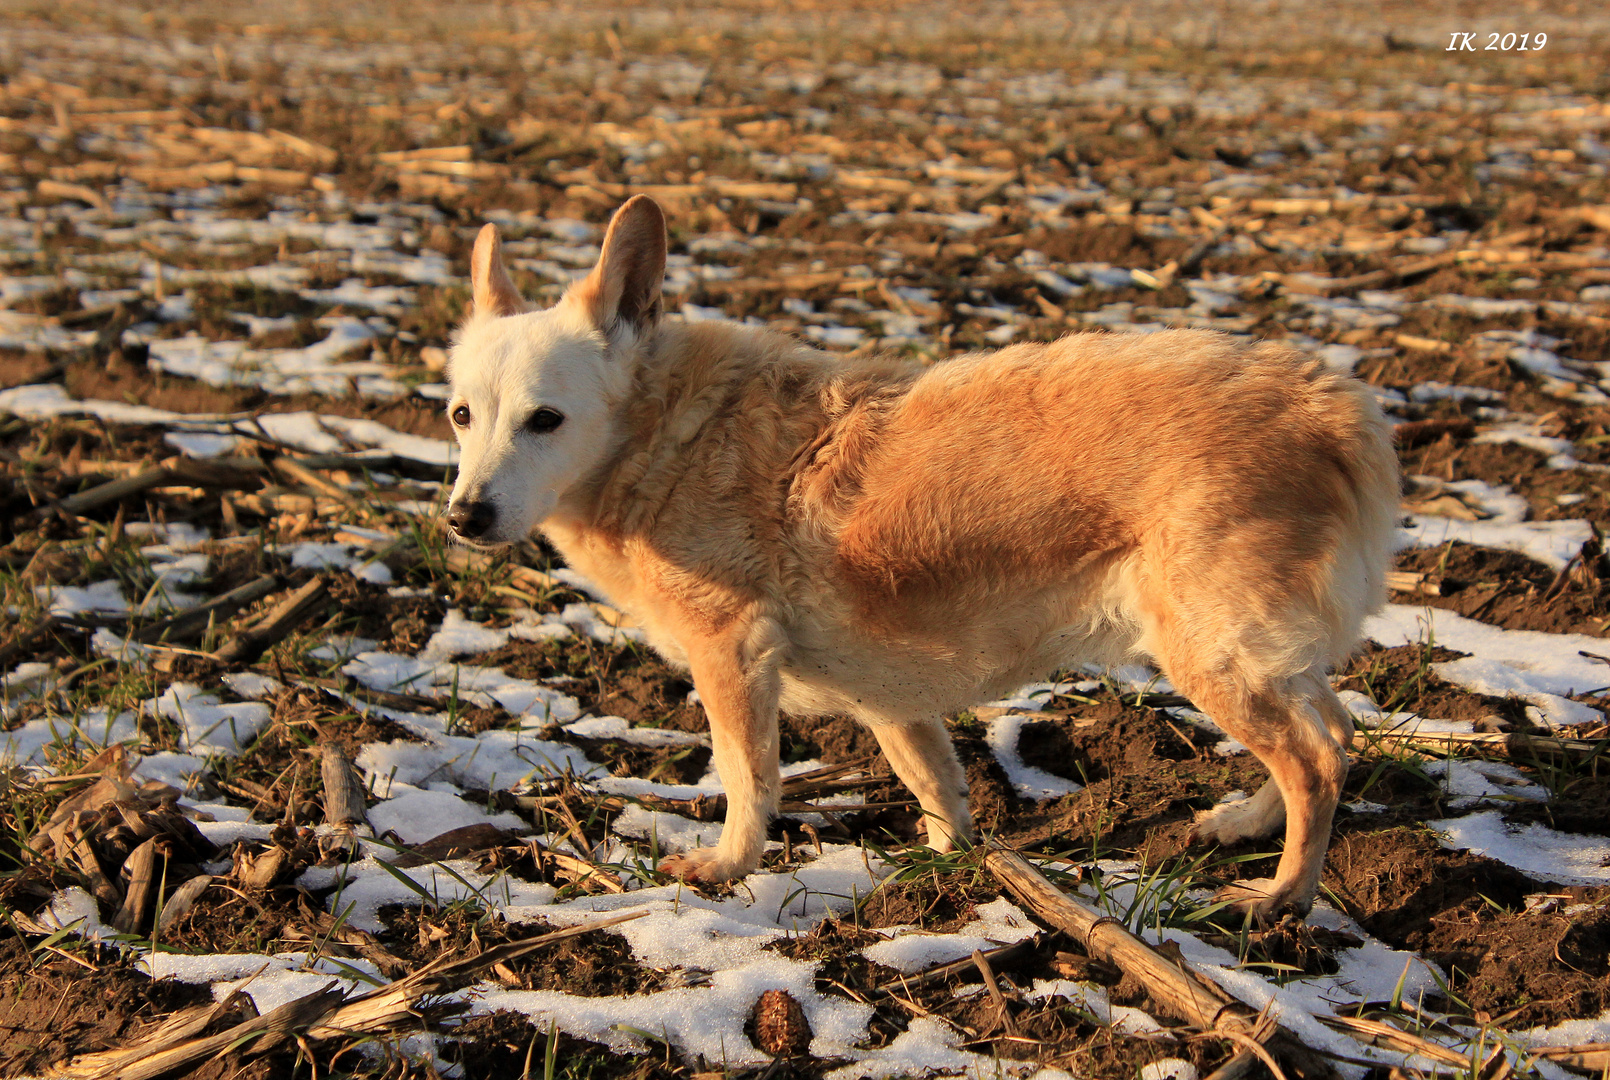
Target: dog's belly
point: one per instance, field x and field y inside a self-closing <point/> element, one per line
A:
<point x="901" y="682"/>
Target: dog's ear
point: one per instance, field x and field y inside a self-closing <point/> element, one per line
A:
<point x="623" y="290"/>
<point x="490" y="285"/>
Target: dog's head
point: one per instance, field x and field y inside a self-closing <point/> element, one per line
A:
<point x="534" y="392"/>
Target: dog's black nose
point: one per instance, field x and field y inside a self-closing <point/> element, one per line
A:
<point x="470" y="520"/>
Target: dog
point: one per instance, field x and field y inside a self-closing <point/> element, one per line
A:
<point x="871" y="537"/>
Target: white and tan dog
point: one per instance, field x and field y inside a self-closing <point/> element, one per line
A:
<point x="874" y="538"/>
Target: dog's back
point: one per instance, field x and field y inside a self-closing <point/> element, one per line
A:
<point x="1019" y="471"/>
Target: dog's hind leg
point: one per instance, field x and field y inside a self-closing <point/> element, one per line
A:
<point x="737" y="677"/>
<point x="924" y="759"/>
<point x="1291" y="732"/>
<point x="1263" y="814"/>
<point x="1254" y="818"/>
<point x="1338" y="721"/>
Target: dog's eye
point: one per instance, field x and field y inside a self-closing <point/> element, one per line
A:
<point x="461" y="416"/>
<point x="545" y="420"/>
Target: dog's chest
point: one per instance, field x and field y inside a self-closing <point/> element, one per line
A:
<point x="621" y="585"/>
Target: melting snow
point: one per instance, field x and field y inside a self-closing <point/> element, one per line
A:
<point x="1552" y="543"/>
<point x="207" y="726"/>
<point x="909" y="949"/>
<point x="1535" y="850"/>
<point x="416" y="816"/>
<point x="25" y="745"/>
<point x="201" y="444"/>
<point x="100" y="598"/>
<point x="1031" y="783"/>
<point x="1523" y="662"/>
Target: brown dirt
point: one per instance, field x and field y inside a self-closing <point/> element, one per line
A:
<point x="835" y="945"/>
<point x="1466" y="912"/>
<point x="1146" y="776"/>
<point x="1064" y="1037"/>
<point x="1399" y="679"/>
<point x="230" y="920"/>
<point x="635" y="685"/>
<point x="51" y="1008"/>
<point x="1409" y="797"/>
<point x="302" y="717"/>
<point x="1506" y="589"/>
<point x="668" y="764"/>
<point x="367" y="610"/>
<point x="594" y="965"/>
<point x="1579" y="804"/>
<point x="828" y="738"/>
<point x="941" y="903"/>
<point x="944" y="903"/>
<point x="505" y="1043"/>
<point x="1051" y="1032"/>
<point x="1519" y="467"/>
<point x="994" y="802"/>
<point x="22" y="368"/>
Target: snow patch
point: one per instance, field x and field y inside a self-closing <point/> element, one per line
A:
<point x="1535" y="850"/>
<point x="1030" y="782"/>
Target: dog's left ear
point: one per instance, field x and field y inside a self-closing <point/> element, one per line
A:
<point x="491" y="287"/>
<point x="623" y="290"/>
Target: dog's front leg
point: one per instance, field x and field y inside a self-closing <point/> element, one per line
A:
<point x="736" y="675"/>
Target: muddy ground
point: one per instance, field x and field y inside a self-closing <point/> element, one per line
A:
<point x="913" y="179"/>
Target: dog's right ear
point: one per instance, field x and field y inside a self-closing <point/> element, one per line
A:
<point x="623" y="290"/>
<point x="490" y="285"/>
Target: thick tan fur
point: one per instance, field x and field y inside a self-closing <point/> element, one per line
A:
<point x="875" y="538"/>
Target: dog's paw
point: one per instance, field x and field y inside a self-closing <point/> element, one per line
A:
<point x="1234" y="822"/>
<point x="708" y="865"/>
<point x="1264" y="900"/>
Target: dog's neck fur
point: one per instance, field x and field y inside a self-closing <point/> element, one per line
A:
<point x="683" y="375"/>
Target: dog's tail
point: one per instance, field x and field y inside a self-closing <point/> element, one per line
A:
<point x="1367" y="464"/>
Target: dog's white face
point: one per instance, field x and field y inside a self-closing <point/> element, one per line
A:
<point x="535" y="392"/>
<point x="530" y="408"/>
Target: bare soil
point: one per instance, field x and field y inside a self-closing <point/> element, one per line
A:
<point x="517" y="109"/>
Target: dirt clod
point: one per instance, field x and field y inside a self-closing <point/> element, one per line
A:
<point x="779" y="1024"/>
